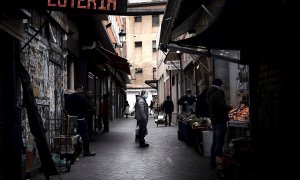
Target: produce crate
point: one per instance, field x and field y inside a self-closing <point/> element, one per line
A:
<point x="182" y="131"/>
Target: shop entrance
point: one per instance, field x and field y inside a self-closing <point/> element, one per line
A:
<point x="10" y="124"/>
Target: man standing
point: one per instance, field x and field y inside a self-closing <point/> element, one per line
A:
<point x="219" y="116"/>
<point x="187" y="101"/>
<point x="141" y="115"/>
<point x="202" y="109"/>
<point x="90" y="115"/>
<point x="76" y="105"/>
<point x="151" y="107"/>
<point x="168" y="108"/>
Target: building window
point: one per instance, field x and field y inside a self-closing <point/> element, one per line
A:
<point x="138" y="44"/>
<point x="154" y="46"/>
<point x="138" y="19"/>
<point x="138" y="70"/>
<point x="154" y="73"/>
<point x="155" y="20"/>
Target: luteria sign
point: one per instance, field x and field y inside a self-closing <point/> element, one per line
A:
<point x="117" y="6"/>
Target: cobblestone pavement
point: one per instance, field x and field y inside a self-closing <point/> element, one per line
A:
<point x="119" y="157"/>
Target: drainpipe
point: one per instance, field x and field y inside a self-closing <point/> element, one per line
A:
<point x="83" y="66"/>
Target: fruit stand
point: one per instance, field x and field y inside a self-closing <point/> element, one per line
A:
<point x="239" y="122"/>
<point x="190" y="131"/>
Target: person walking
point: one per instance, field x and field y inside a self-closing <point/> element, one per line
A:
<point x="76" y="105"/>
<point x="168" y="108"/>
<point x="141" y="115"/>
<point x="126" y="109"/>
<point x="151" y="107"/>
<point x="105" y="113"/>
<point x="218" y="110"/>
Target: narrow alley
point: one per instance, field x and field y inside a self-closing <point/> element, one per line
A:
<point x="118" y="156"/>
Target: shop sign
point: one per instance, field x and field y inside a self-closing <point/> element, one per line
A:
<point x="173" y="65"/>
<point x="114" y="6"/>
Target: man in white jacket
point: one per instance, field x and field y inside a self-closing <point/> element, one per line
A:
<point x="141" y="115"/>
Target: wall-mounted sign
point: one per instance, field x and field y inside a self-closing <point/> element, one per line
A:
<point x="174" y="65"/>
<point x="114" y="6"/>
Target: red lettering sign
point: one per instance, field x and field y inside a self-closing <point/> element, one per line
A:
<point x="98" y="5"/>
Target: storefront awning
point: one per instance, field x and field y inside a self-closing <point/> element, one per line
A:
<point x="226" y="31"/>
<point x="119" y="63"/>
<point x="202" y="52"/>
<point x="152" y="83"/>
<point x="232" y="25"/>
<point x="125" y="77"/>
<point x="213" y="24"/>
<point x="172" y="56"/>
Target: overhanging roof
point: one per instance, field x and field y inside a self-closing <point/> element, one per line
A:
<point x="121" y="64"/>
<point x="236" y="24"/>
<point x="201" y="52"/>
<point x="168" y="20"/>
<point x="172" y="56"/>
<point x="152" y="83"/>
<point x="224" y="32"/>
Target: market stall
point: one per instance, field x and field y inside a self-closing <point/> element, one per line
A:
<point x="240" y="150"/>
<point x="194" y="132"/>
<point x="239" y="123"/>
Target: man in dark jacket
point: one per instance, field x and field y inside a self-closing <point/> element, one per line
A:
<point x="219" y="116"/>
<point x="168" y="108"/>
<point x="187" y="101"/>
<point x="76" y="105"/>
<point x="202" y="109"/>
<point x="141" y="115"/>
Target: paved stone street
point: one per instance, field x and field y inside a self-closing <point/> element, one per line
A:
<point x="120" y="157"/>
